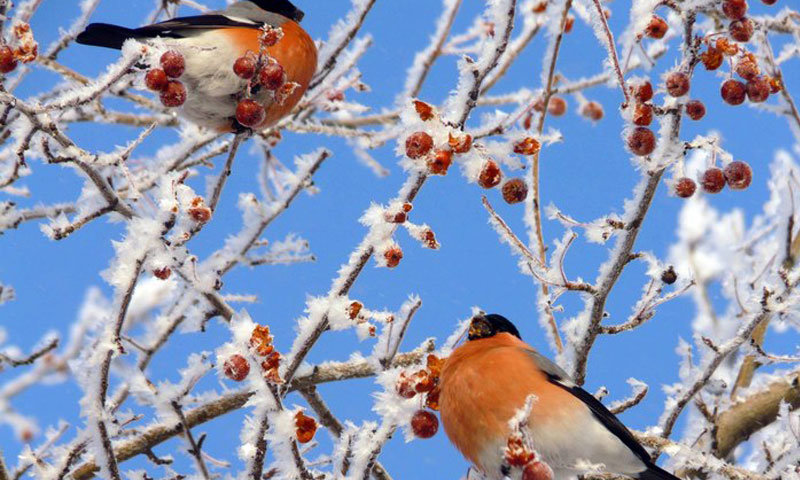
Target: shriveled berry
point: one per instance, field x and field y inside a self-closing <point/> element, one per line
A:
<point x="424" y="424"/>
<point x="418" y="144"/>
<point x="642" y="114"/>
<point x="738" y="175"/>
<point x="490" y="175"/>
<point x="642" y="141"/>
<point x="733" y="92"/>
<point x="527" y="146"/>
<point x="432" y="399"/>
<point x="695" y="109"/>
<point x="643" y="92"/>
<point x="236" y="367"/>
<point x="424" y="110"/>
<point x="685" y="187"/>
<point x="515" y="191"/>
<point x="669" y="276"/>
<point x="593" y="111"/>
<point x="272" y="76"/>
<point x="568" y="24"/>
<point x="245" y="67"/>
<point x="747" y="67"/>
<point x="305" y="426"/>
<point x="162" y="273"/>
<point x="677" y="84"/>
<point x="537" y="471"/>
<point x="775" y="85"/>
<point x="460" y="144"/>
<point x="741" y="30"/>
<point x="174" y="95"/>
<point x="540" y="7"/>
<point x="201" y="214"/>
<point x="440" y="162"/>
<point x="270" y="36"/>
<point x="8" y="62"/>
<point x="393" y="256"/>
<point x="250" y="113"/>
<point x="712" y="58"/>
<point x="734" y="9"/>
<point x="758" y="89"/>
<point x="713" y="180"/>
<point x="557" y="106"/>
<point x="657" y="27"/>
<point x="173" y="63"/>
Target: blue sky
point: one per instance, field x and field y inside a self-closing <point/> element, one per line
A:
<point x="587" y="176"/>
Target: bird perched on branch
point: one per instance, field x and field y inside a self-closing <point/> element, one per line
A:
<point x="487" y="381"/>
<point x="274" y="57"/>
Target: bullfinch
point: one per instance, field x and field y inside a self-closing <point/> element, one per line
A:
<point x="487" y="381"/>
<point x="210" y="45"/>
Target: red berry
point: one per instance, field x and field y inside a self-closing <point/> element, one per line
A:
<point x="460" y="144"/>
<point x="758" y="89"/>
<point x="250" y="113"/>
<point x="669" y="276"/>
<point x="643" y="92"/>
<point x="747" y="67"/>
<point x="236" y="367"/>
<point x="173" y="63"/>
<point x="527" y="146"/>
<point x="685" y="187"/>
<point x="569" y="23"/>
<point x="657" y="27"/>
<point x="738" y="175"/>
<point x="271" y="36"/>
<point x="733" y="92"/>
<point x="490" y="175"/>
<point x="643" y="114"/>
<point x="557" y="106"/>
<point x="441" y="162"/>
<point x="677" y="84"/>
<point x="695" y="109"/>
<point x="245" y="67"/>
<point x="537" y="471"/>
<point x="272" y="76"/>
<point x="741" y="30"/>
<point x="593" y="111"/>
<point x="405" y="388"/>
<point x="418" y="144"/>
<point x="306" y="427"/>
<point x="424" y="424"/>
<point x="642" y="141"/>
<point x="734" y="9"/>
<point x="515" y="191"/>
<point x="713" y="180"/>
<point x="156" y="80"/>
<point x="712" y="58"/>
<point x="174" y="95"/>
<point x="393" y="256"/>
<point x="162" y="273"/>
<point x="424" y="110"/>
<point x="8" y="62"/>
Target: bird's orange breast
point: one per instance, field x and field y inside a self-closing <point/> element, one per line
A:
<point x="483" y="385"/>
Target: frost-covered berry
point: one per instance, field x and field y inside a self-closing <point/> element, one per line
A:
<point x="515" y="191"/>
<point x="305" y="426"/>
<point x="490" y="175"/>
<point x="642" y="114"/>
<point x="393" y="256"/>
<point x="657" y="27"/>
<point x="236" y="367"/>
<point x="713" y="180"/>
<point x="270" y="36"/>
<point x="460" y="143"/>
<point x="173" y="63"/>
<point x="695" y="109"/>
<point x="440" y="162"/>
<point x="424" y="110"/>
<point x="738" y="175"/>
<point x="726" y="47"/>
<point x="527" y="146"/>
<point x="642" y="141"/>
<point x="557" y="106"/>
<point x="643" y="92"/>
<point x="8" y="62"/>
<point x="424" y="424"/>
<point x="162" y="273"/>
<point x="272" y="76"/>
<point x="593" y="111"/>
<point x="733" y="92"/>
<point x="537" y="471"/>
<point x="677" y="84"/>
<point x="174" y="95"/>
<point x="245" y="67"/>
<point x="747" y="67"/>
<point x="156" y="80"/>
<point x="418" y="144"/>
<point x="685" y="187"/>
<point x="741" y="30"/>
<point x="734" y="9"/>
<point x="405" y="387"/>
<point x="712" y="58"/>
<point x="669" y="276"/>
<point x="250" y="113"/>
<point x="758" y="89"/>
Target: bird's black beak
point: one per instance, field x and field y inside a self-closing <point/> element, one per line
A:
<point x="479" y="328"/>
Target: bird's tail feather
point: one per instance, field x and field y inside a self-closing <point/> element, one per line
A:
<point x="105" y="35"/>
<point x="656" y="473"/>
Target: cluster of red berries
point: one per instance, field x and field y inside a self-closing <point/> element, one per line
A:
<point x="236" y="367"/>
<point x="420" y="145"/>
<point x="354" y="312"/>
<point x="305" y="427"/>
<point x="165" y="81"/>
<point x="517" y="455"/>
<point x="26" y="51"/>
<point x="737" y="175"/>
<point x="424" y="382"/>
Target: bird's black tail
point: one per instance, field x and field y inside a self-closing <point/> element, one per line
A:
<point x="105" y="35"/>
<point x="656" y="473"/>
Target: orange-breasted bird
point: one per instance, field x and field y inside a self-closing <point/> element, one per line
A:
<point x="487" y="380"/>
<point x="211" y="43"/>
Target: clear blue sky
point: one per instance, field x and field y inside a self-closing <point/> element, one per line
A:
<point x="588" y="175"/>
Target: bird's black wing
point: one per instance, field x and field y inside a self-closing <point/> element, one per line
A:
<point x="180" y="27"/>
<point x="559" y="377"/>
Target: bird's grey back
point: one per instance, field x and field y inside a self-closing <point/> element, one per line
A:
<point x="250" y="11"/>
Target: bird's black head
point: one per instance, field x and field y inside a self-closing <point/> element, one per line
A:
<point x="281" y="7"/>
<point x="485" y="326"/>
